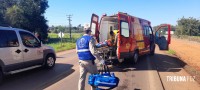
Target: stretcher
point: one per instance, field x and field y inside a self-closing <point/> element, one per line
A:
<point x="106" y="53"/>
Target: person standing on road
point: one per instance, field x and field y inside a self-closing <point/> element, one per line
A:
<point x="86" y="51"/>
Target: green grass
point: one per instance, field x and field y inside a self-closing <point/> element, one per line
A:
<point x="66" y="35"/>
<point x="62" y="47"/>
<point x="170" y="51"/>
<point x="53" y="35"/>
<point x="67" y="44"/>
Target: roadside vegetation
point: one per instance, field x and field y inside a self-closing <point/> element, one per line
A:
<point x="170" y="51"/>
<point x="186" y="28"/>
<point x="190" y="38"/>
<point x="66" y="44"/>
<point x="25" y="14"/>
<point x="189" y="30"/>
<point x="29" y="15"/>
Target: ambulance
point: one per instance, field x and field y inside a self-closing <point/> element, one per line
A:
<point x="130" y="36"/>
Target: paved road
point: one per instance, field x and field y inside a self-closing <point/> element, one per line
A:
<point x="148" y="74"/>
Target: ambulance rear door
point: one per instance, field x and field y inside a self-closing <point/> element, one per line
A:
<point x="94" y="25"/>
<point x="123" y="36"/>
<point x="163" y="37"/>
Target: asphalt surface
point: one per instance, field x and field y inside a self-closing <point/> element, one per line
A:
<point x="148" y="74"/>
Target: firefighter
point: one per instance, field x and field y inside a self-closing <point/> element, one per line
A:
<point x="112" y="35"/>
<point x="116" y="32"/>
<point x="87" y="53"/>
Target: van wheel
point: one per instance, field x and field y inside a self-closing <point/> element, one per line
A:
<point x="50" y="61"/>
<point x="135" y="57"/>
<point x="1" y="76"/>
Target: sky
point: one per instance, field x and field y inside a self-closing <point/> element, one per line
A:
<point x="156" y="11"/>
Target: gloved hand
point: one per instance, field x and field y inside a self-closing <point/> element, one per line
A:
<point x="102" y="62"/>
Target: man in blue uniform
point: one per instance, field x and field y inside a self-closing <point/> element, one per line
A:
<point x="86" y="51"/>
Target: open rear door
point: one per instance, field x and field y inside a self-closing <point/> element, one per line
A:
<point x="123" y="36"/>
<point x="163" y="36"/>
<point x="94" y="25"/>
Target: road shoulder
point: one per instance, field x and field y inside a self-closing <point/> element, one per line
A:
<point x="172" y="73"/>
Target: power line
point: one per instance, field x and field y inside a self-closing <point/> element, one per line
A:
<point x="69" y="19"/>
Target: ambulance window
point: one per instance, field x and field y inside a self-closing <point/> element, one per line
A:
<point x="147" y="30"/>
<point x="124" y="29"/>
<point x="144" y="30"/>
<point x="150" y="30"/>
<point x="93" y="28"/>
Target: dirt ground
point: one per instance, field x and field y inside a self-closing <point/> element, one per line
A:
<point x="189" y="52"/>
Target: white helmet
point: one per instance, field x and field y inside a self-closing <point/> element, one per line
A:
<point x="86" y="26"/>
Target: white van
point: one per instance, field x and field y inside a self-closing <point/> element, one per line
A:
<point x="21" y="50"/>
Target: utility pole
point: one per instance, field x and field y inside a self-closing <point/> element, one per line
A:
<point x="69" y="18"/>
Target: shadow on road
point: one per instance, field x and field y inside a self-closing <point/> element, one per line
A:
<point x="167" y="63"/>
<point x="36" y="79"/>
<point x="159" y="62"/>
<point x="140" y="73"/>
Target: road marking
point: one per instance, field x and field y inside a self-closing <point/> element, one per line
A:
<point x="153" y="75"/>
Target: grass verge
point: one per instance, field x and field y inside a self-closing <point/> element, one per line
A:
<point x="62" y="47"/>
<point x="67" y="43"/>
<point x="189" y="69"/>
<point x="170" y="51"/>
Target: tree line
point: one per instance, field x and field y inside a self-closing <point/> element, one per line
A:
<point x="29" y="15"/>
<point x="186" y="26"/>
<point x="65" y="29"/>
<point x="25" y="14"/>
